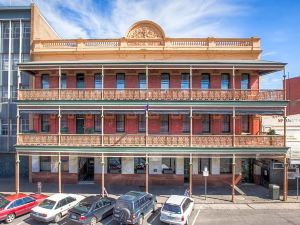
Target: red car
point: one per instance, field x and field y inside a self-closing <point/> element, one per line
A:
<point x="18" y="204"/>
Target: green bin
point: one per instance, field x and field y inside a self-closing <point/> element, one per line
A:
<point x="274" y="191"/>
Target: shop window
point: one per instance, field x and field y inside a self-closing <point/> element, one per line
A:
<point x="168" y="165"/>
<point x="114" y="165"/>
<point x="165" y="81"/>
<point x="245" y="81"/>
<point x="185" y="81"/>
<point x="45" y="81"/>
<point x="139" y="165"/>
<point x="205" y="81"/>
<point x="186" y="124"/>
<point x="120" y="123"/>
<point x="65" y="164"/>
<point x="45" y="163"/>
<point x="142" y="123"/>
<point x="142" y="81"/>
<point x="245" y="124"/>
<point x="120" y="81"/>
<point x="98" y="81"/>
<point x="205" y="123"/>
<point x="45" y="125"/>
<point x="225" y="165"/>
<point x="225" y="81"/>
<point x="226" y="124"/>
<point x="164" y="123"/>
<point x="204" y="162"/>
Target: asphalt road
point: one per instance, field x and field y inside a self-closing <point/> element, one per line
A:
<point x="210" y="217"/>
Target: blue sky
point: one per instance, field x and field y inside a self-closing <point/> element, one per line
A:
<point x="276" y="22"/>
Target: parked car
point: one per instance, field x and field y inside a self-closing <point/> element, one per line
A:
<point x="132" y="207"/>
<point x="177" y="210"/>
<point x="55" y="207"/>
<point x="18" y="204"/>
<point x="91" y="210"/>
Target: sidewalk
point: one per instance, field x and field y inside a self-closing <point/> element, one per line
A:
<point x="215" y="195"/>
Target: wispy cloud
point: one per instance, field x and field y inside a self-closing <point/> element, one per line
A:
<point x="179" y="18"/>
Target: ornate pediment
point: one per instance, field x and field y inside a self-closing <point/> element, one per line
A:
<point x="145" y="30"/>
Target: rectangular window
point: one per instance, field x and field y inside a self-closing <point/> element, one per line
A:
<point x="120" y="81"/>
<point x="186" y="124"/>
<point x="97" y="123"/>
<point x="65" y="164"/>
<point x="165" y="81"/>
<point x="225" y="81"/>
<point x="245" y="81"/>
<point x="205" y="81"/>
<point x="245" y="124"/>
<point x="205" y="123"/>
<point x="13" y="127"/>
<point x="45" y="126"/>
<point x="168" y="165"/>
<point x="139" y="165"/>
<point x="98" y="81"/>
<point x="142" y="123"/>
<point x="26" y="30"/>
<point x="120" y="123"/>
<point x="64" y="124"/>
<point x="204" y="162"/>
<point x="226" y="123"/>
<point x="45" y="163"/>
<point x="164" y="123"/>
<point x="24" y="125"/>
<point x="63" y="81"/>
<point x="142" y="81"/>
<point x="80" y="80"/>
<point x="225" y="165"/>
<point x="45" y="81"/>
<point x="4" y="127"/>
<point x="114" y="165"/>
<point x="185" y="81"/>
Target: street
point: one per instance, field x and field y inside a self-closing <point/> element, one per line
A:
<point x="212" y="216"/>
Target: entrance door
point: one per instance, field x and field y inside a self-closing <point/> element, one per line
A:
<point x="80" y="80"/>
<point x="86" y="169"/>
<point x="247" y="170"/>
<point x="186" y="170"/>
<point x="79" y="124"/>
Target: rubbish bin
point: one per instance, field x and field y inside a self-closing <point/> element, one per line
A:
<point x="274" y="191"/>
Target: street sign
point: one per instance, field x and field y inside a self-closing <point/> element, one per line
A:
<point x="205" y="173"/>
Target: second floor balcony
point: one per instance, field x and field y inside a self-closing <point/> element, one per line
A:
<point x="154" y="94"/>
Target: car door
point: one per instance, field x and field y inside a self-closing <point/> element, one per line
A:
<point x="62" y="207"/>
<point x="190" y="205"/>
<point x="149" y="202"/>
<point x="71" y="202"/>
<point x="29" y="203"/>
<point x="17" y="207"/>
<point x="107" y="207"/>
<point x="98" y="211"/>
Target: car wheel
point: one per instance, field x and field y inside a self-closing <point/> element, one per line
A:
<point x="93" y="221"/>
<point x="140" y="220"/>
<point x="57" y="218"/>
<point x="10" y="218"/>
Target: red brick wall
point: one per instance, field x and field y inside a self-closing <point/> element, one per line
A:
<point x="175" y="80"/>
<point x="154" y="124"/>
<point x="110" y="81"/>
<point x="215" y="81"/>
<point x="131" y="81"/>
<point x="154" y="81"/>
<point x="131" y="124"/>
<point x="89" y="81"/>
<point x="175" y="124"/>
<point x="48" y="177"/>
<point x="293" y="94"/>
<point x="254" y="81"/>
<point x="71" y="124"/>
<point x="197" y="125"/>
<point x="109" y="124"/>
<point x="71" y="81"/>
<point x="196" y="81"/>
<point x="37" y="81"/>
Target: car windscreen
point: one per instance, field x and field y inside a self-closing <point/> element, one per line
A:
<point x="83" y="206"/>
<point x="172" y="208"/>
<point x="3" y="203"/>
<point x="47" y="204"/>
<point x="123" y="204"/>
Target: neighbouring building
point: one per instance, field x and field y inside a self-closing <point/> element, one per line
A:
<point x="147" y="109"/>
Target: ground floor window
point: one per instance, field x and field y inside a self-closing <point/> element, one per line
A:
<point x="65" y="164"/>
<point x="114" y="165"/>
<point x="140" y="165"/>
<point x="204" y="162"/>
<point x="45" y="163"/>
<point x="225" y="165"/>
<point x="168" y="165"/>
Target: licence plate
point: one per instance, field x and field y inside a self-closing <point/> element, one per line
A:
<point x="73" y="217"/>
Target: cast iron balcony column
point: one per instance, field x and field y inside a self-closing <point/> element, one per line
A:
<point x="18" y="123"/>
<point x="102" y="127"/>
<point x="147" y="126"/>
<point x="59" y="82"/>
<point x="284" y="85"/>
<point x="233" y="82"/>
<point x="147" y="84"/>
<point x="102" y="176"/>
<point x="59" y="173"/>
<point x="59" y="126"/>
<point x="233" y="179"/>
<point x="285" y="177"/>
<point x="147" y="174"/>
<point x="191" y="83"/>
<point x="102" y="82"/>
<point x="191" y="175"/>
<point x="191" y="127"/>
<point x="17" y="171"/>
<point x="233" y="126"/>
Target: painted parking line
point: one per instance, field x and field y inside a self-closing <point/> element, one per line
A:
<point x="154" y="218"/>
<point x="108" y="222"/>
<point x="196" y="217"/>
<point x="25" y="220"/>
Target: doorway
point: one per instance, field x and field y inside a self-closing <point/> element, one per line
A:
<point x="186" y="170"/>
<point x="79" y="124"/>
<point x="86" y="169"/>
<point x="80" y="80"/>
<point x="247" y="170"/>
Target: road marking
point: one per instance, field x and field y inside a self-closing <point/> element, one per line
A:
<point x="154" y="218"/>
<point x="109" y="221"/>
<point x="25" y="220"/>
<point x="196" y="217"/>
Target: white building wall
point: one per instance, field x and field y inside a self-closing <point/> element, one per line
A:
<point x="215" y="165"/>
<point x="128" y="165"/>
<point x="35" y="164"/>
<point x="179" y="166"/>
<point x="155" y="165"/>
<point x="73" y="164"/>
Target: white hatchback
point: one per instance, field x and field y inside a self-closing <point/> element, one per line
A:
<point x="55" y="207"/>
<point x="177" y="210"/>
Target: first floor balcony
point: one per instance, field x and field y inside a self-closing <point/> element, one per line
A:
<point x="151" y="140"/>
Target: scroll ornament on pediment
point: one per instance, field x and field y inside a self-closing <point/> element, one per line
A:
<point x="144" y="32"/>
